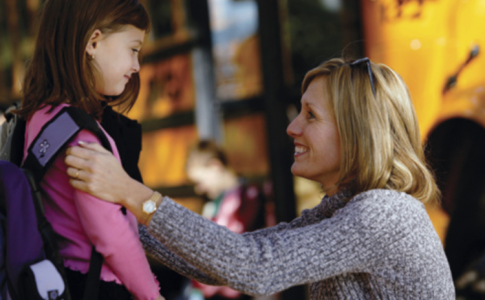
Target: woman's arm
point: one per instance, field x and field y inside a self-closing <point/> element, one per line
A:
<point x="157" y="250"/>
<point x="312" y="248"/>
<point x="269" y="260"/>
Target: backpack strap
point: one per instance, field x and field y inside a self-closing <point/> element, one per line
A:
<point x="52" y="139"/>
<point x="12" y="136"/>
<point x="92" y="280"/>
<point x="55" y="135"/>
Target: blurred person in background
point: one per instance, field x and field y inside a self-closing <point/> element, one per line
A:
<point x="370" y="237"/>
<point x="233" y="203"/>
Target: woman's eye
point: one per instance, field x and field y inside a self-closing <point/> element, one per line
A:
<point x="310" y="115"/>
<point x="135" y="50"/>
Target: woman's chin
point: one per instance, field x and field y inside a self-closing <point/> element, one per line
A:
<point x="297" y="171"/>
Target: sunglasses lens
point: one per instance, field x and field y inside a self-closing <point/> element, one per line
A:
<point x="369" y="70"/>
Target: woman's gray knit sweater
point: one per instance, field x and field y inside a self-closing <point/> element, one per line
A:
<point x="379" y="245"/>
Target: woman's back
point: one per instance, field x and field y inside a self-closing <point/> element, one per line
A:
<point x="391" y="251"/>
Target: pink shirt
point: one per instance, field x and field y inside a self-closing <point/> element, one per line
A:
<point x="83" y="221"/>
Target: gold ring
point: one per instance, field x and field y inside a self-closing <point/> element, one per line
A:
<point x="77" y="174"/>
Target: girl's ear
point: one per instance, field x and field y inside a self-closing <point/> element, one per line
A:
<point x="93" y="42"/>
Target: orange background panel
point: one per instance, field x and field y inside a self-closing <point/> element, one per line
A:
<point x="166" y="87"/>
<point x="426" y="42"/>
<point x="245" y="144"/>
<point x="162" y="160"/>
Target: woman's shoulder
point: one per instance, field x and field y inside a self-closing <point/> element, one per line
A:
<point x="381" y="206"/>
<point x="385" y="196"/>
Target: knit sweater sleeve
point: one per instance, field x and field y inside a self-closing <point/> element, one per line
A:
<point x="170" y="259"/>
<point x="273" y="259"/>
<point x="160" y="252"/>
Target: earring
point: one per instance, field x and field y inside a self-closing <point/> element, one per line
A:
<point x="92" y="56"/>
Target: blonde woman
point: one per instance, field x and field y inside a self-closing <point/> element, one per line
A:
<point x="370" y="237"/>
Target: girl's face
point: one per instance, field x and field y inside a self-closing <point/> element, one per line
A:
<point x="317" y="141"/>
<point x="116" y="58"/>
<point x="206" y="176"/>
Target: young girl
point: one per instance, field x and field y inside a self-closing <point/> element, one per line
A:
<point x="86" y="52"/>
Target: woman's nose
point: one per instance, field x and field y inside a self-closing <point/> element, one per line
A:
<point x="294" y="129"/>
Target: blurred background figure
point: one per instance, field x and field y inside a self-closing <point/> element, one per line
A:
<point x="231" y="201"/>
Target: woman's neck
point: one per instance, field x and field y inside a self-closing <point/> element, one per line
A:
<point x="331" y="190"/>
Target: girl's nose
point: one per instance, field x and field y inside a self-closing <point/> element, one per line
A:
<point x="136" y="65"/>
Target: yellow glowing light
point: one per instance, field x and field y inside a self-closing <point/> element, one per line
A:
<point x="415" y="44"/>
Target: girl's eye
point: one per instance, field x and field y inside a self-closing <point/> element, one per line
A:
<point x="135" y="50"/>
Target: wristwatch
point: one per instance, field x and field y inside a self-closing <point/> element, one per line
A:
<point x="150" y="205"/>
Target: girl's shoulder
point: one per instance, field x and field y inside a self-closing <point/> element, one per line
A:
<point x="46" y="113"/>
<point x="39" y="119"/>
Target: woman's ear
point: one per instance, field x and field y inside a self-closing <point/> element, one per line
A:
<point x="93" y="42"/>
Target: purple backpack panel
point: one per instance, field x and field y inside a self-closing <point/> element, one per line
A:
<point x="23" y="241"/>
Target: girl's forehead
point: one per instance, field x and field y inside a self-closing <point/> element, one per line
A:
<point x="131" y="33"/>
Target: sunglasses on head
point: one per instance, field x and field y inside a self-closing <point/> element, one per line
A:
<point x="366" y="60"/>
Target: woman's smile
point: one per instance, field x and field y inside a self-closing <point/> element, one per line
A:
<point x="300" y="150"/>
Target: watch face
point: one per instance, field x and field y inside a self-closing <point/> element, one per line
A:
<point x="149" y="206"/>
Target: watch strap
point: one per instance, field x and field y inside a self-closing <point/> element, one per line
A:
<point x="156" y="200"/>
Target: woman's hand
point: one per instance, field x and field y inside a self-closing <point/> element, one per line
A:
<point x="96" y="171"/>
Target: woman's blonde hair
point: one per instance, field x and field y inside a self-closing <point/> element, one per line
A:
<point x="379" y="135"/>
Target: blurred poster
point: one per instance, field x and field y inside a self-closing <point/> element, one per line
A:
<point x="246" y="145"/>
<point x="393" y="10"/>
<point x="163" y="156"/>
<point x="17" y="39"/>
<point x="168" y="18"/>
<point x="236" y="52"/>
<point x="167" y="87"/>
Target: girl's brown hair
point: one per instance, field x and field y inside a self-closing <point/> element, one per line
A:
<point x="379" y="135"/>
<point x="204" y="151"/>
<point x="60" y="70"/>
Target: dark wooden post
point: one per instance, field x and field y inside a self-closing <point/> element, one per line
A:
<point x="279" y="144"/>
